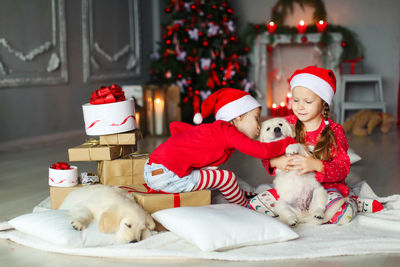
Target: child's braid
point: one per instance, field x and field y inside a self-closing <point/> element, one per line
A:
<point x="323" y="147"/>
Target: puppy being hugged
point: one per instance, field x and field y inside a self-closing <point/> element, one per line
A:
<point x="302" y="199"/>
<point x="115" y="210"/>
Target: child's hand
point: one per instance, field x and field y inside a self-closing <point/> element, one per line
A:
<point x="281" y="163"/>
<point x="304" y="164"/>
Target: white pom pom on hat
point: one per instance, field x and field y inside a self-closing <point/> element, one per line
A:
<point x="226" y="104"/>
<point x="319" y="80"/>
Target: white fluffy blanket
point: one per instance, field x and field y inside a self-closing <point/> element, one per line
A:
<point x="366" y="234"/>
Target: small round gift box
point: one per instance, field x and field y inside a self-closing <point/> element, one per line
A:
<point x="63" y="177"/>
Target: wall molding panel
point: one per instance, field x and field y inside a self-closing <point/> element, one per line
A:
<point x="110" y="40"/>
<point x="42" y="61"/>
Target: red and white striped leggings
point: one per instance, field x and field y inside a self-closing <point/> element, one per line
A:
<point x="225" y="182"/>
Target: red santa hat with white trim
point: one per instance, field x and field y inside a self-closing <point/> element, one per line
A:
<point x="226" y="104"/>
<point x="319" y="80"/>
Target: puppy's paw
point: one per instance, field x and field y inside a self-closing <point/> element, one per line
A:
<point x="292" y="221"/>
<point x="77" y="225"/>
<point x="319" y="214"/>
<point x="292" y="149"/>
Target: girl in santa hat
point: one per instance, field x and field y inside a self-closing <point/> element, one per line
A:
<point x="188" y="160"/>
<point x="312" y="91"/>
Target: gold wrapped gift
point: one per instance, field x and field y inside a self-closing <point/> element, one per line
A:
<point x="92" y="151"/>
<point x="58" y="194"/>
<point x="153" y="201"/>
<point x="127" y="138"/>
<point x="125" y="171"/>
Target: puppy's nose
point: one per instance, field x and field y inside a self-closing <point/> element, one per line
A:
<point x="133" y="241"/>
<point x="277" y="130"/>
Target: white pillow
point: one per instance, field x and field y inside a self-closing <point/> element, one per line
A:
<point x="353" y="156"/>
<point x="223" y="226"/>
<point x="55" y="226"/>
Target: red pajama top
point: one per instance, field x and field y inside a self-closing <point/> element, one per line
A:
<point x="211" y="144"/>
<point x="336" y="169"/>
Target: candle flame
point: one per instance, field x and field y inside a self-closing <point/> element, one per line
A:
<point x="158" y="101"/>
<point x="289" y="95"/>
<point x="282" y="104"/>
<point x="321" y="22"/>
<point x="271" y="23"/>
<point x="301" y="22"/>
<point x="274" y="105"/>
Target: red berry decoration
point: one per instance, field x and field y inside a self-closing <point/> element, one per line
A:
<point x="304" y="39"/>
<point x="343" y="44"/>
<point x="270" y="49"/>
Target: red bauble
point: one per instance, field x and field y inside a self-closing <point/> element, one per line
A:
<point x="343" y="44"/>
<point x="168" y="42"/>
<point x="193" y="7"/>
<point x="232" y="81"/>
<point x="205" y="43"/>
<point x="214" y="6"/>
<point x="230" y="10"/>
<point x="189" y="81"/>
<point x="224" y="4"/>
<point x="223" y="83"/>
<point x="168" y="10"/>
<point x="200" y="33"/>
<point x="179" y="76"/>
<point x="257" y="27"/>
<point x="213" y="65"/>
<point x="304" y="39"/>
<point x="221" y="68"/>
<point x="246" y="49"/>
<point x="164" y="36"/>
<point x="186" y="40"/>
<point x="233" y="38"/>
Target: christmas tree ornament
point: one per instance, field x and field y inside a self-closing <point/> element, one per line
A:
<point x="304" y="39"/>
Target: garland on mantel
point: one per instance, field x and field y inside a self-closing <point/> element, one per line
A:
<point x="352" y="48"/>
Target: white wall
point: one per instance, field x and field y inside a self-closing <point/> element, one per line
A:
<point x="376" y="24"/>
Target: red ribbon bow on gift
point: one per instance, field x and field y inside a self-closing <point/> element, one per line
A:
<point x="61" y="166"/>
<point x="105" y="95"/>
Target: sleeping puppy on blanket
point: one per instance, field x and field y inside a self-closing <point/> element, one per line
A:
<point x="302" y="199"/>
<point x="115" y="210"/>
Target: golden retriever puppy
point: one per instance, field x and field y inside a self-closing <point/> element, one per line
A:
<point x="115" y="210"/>
<point x="302" y="199"/>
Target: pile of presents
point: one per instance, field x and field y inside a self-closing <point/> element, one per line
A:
<point x="111" y="117"/>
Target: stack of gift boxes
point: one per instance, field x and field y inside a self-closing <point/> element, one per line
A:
<point x="111" y="117"/>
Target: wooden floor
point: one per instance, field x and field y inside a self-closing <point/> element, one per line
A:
<point x="23" y="184"/>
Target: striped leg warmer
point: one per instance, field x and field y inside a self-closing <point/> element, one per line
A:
<point x="225" y="182"/>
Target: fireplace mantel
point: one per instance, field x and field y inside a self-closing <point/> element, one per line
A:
<point x="259" y="71"/>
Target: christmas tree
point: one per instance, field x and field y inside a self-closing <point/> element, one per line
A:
<point x="201" y="52"/>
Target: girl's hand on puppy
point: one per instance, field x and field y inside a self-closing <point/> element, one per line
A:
<point x="304" y="164"/>
<point x="281" y="163"/>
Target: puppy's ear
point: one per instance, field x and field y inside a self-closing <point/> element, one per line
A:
<point x="292" y="130"/>
<point x="109" y="222"/>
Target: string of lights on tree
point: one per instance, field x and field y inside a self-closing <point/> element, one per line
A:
<point x="201" y="52"/>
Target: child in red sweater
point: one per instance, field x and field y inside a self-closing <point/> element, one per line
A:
<point x="312" y="90"/>
<point x="189" y="159"/>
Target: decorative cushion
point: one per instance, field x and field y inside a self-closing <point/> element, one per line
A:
<point x="223" y="226"/>
<point x="353" y="156"/>
<point x="55" y="226"/>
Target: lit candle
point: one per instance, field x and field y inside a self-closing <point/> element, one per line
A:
<point x="282" y="109"/>
<point x="159" y="114"/>
<point x="137" y="117"/>
<point x="301" y="27"/>
<point x="271" y="27"/>
<point x="321" y="25"/>
<point x="274" y="110"/>
<point x="288" y="97"/>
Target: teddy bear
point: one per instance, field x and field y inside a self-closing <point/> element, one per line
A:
<point x="364" y="122"/>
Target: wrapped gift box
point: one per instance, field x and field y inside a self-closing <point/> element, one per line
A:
<point x="351" y="67"/>
<point x="63" y="177"/>
<point x="58" y="194"/>
<point x="128" y="138"/>
<point x="126" y="171"/>
<point x="153" y="201"/>
<point x="93" y="151"/>
<point x="111" y="118"/>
